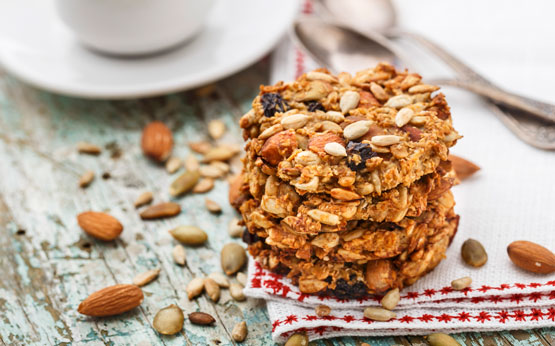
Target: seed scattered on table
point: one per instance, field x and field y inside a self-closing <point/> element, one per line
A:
<point x="88" y="148"/>
<point x="297" y="339"/>
<point x="146" y="277"/>
<point x="191" y="163"/>
<point x="144" y="198"/>
<point x="473" y="253"/>
<point x="204" y="185"/>
<point x="86" y="179"/>
<point x="169" y="320"/>
<point x="200" y="147"/>
<point x="236" y="291"/>
<point x="184" y="183"/>
<point x="349" y="100"/>
<point x="379" y="314"/>
<point x="212" y="206"/>
<point x="179" y="255"/>
<point x="216" y="128"/>
<point x="462" y="283"/>
<point x="220" y="153"/>
<point x="391" y="299"/>
<point x="440" y="339"/>
<point x="241" y="278"/>
<point x="189" y="235"/>
<point x="233" y="257"/>
<point x="234" y="229"/>
<point x="335" y="149"/>
<point x="322" y="310"/>
<point x="212" y="289"/>
<point x="220" y="279"/>
<point x="162" y="210"/>
<point x="201" y="318"/>
<point x="195" y="287"/>
<point x="239" y="332"/>
<point x="173" y="164"/>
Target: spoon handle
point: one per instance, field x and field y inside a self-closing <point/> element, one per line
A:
<point x="480" y="85"/>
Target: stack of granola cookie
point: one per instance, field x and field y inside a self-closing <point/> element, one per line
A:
<point x="346" y="182"/>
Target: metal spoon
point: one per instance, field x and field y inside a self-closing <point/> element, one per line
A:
<point x="345" y="49"/>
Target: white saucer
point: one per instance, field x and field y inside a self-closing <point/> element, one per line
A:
<point x="36" y="47"/>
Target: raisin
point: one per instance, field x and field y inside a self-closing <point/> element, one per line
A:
<point x="344" y="290"/>
<point x="314" y="106"/>
<point x="272" y="103"/>
<point x="250" y="238"/>
<point x="357" y="154"/>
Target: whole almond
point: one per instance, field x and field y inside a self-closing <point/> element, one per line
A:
<point x="169" y="320"/>
<point x="212" y="289"/>
<point x="531" y="256"/>
<point x="144" y="198"/>
<point x="157" y="141"/>
<point x="111" y="301"/>
<point x="100" y="225"/>
<point x="216" y="128"/>
<point x="201" y="318"/>
<point x="146" y="277"/>
<point x="161" y="210"/>
<point x="463" y="168"/>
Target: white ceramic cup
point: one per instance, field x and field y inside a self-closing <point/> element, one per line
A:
<point x="133" y="27"/>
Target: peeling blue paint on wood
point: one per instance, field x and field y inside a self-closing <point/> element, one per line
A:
<point x="48" y="265"/>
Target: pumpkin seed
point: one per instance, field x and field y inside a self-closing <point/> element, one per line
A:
<point x="144" y="198"/>
<point x="440" y="339"/>
<point x="212" y="206"/>
<point x="173" y="164"/>
<point x="236" y="292"/>
<point x="322" y="310"/>
<point x="233" y="258"/>
<point x="220" y="279"/>
<point x="189" y="235"/>
<point x="391" y="299"/>
<point x="204" y="185"/>
<point x="88" y="148"/>
<point x="216" y="128"/>
<point x="297" y="339"/>
<point x="194" y="287"/>
<point x="212" y="289"/>
<point x="378" y="314"/>
<point x="184" y="183"/>
<point x="234" y="229"/>
<point x="179" y="255"/>
<point x="86" y="179"/>
<point x="242" y="278"/>
<point x="270" y="131"/>
<point x="473" y="253"/>
<point x="169" y="320"/>
<point x="461" y="283"/>
<point x="239" y="332"/>
<point x="146" y="277"/>
<point x="161" y="210"/>
<point x="201" y="318"/>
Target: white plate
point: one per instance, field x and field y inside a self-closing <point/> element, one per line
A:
<point x="36" y="47"/>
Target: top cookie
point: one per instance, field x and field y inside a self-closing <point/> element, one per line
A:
<point x="367" y="133"/>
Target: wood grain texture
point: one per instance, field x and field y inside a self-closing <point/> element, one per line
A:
<point x="49" y="265"/>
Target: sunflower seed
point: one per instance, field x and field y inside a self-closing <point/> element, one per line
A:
<point x="404" y="115"/>
<point x="327" y="125"/>
<point x="146" y="277"/>
<point x="236" y="292"/>
<point x="335" y="149"/>
<point x="322" y="310"/>
<point x="391" y="299"/>
<point x="378" y="91"/>
<point x="314" y="75"/>
<point x="270" y="131"/>
<point x="220" y="153"/>
<point x="144" y="198"/>
<point x="213" y="170"/>
<point x="189" y="235"/>
<point x="357" y="129"/>
<point x="161" y="210"/>
<point x="232" y="257"/>
<point x="385" y="140"/>
<point x="324" y="217"/>
<point x="212" y="289"/>
<point x="461" y="283"/>
<point x="418" y="120"/>
<point x="294" y="121"/>
<point x="191" y="163"/>
<point x="200" y="147"/>
<point x="220" y="279"/>
<point x="241" y="278"/>
<point x="86" y="179"/>
<point x="378" y="314"/>
<point x="204" y="185"/>
<point x="234" y="229"/>
<point x="399" y="101"/>
<point x="88" y="148"/>
<point x="194" y="287"/>
<point x="184" y="183"/>
<point x="239" y="332"/>
<point x="349" y="100"/>
<point x="422" y="88"/>
<point x="212" y="206"/>
<point x="169" y="320"/>
<point x="335" y="116"/>
<point x="173" y="164"/>
<point x="201" y="318"/>
<point x="216" y="128"/>
<point x="179" y="255"/>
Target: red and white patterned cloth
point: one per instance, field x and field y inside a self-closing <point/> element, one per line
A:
<point x="507" y="200"/>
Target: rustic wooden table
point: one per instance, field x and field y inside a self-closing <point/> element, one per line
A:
<point x="48" y="265"/>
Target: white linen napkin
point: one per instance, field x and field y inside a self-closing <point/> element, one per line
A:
<point x="511" y="198"/>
